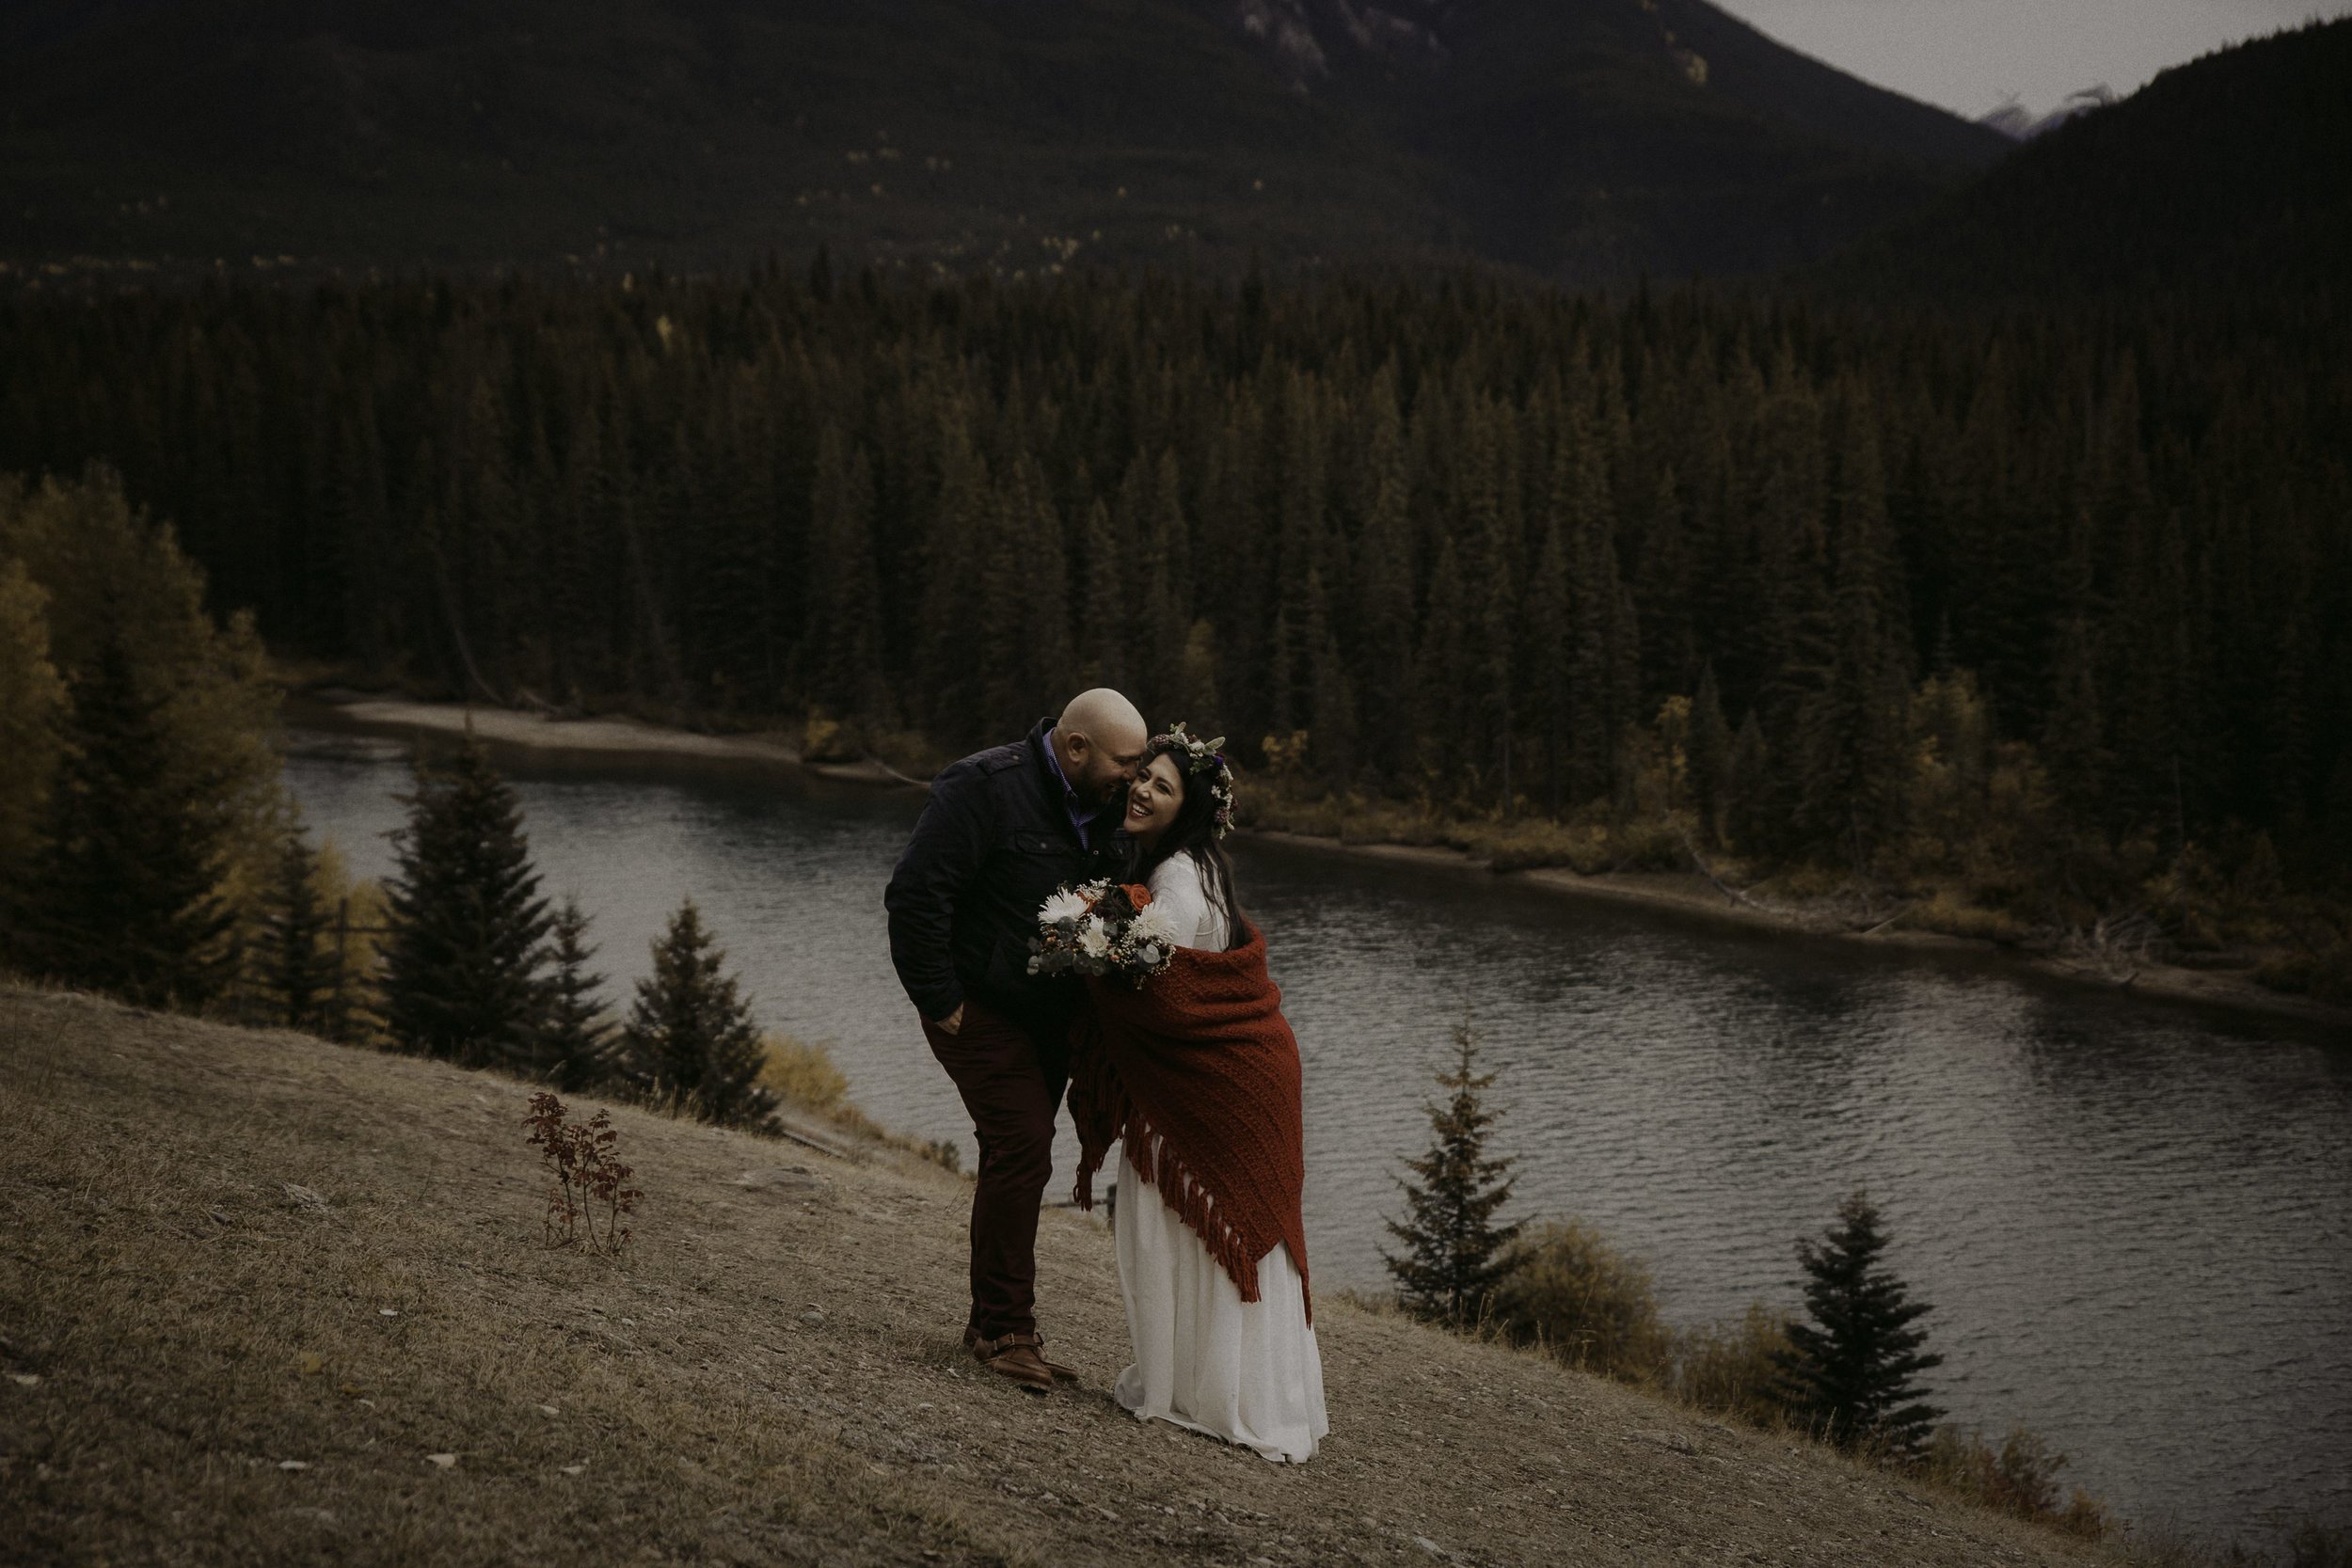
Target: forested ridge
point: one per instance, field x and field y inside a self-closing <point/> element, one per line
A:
<point x="2049" y="602"/>
<point x="1585" y="142"/>
<point x="2230" y="172"/>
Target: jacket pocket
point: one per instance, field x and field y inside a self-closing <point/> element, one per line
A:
<point x="1030" y="841"/>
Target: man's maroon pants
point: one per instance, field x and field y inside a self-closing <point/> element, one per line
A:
<point x="1011" y="1078"/>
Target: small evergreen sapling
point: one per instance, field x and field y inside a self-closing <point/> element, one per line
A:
<point x="690" y="1033"/>
<point x="575" y="1045"/>
<point x="1454" y="1253"/>
<point x="297" y="970"/>
<point x="1849" y="1368"/>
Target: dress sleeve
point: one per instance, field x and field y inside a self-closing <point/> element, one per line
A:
<point x="1176" y="888"/>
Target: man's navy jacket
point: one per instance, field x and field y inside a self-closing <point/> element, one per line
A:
<point x="991" y="845"/>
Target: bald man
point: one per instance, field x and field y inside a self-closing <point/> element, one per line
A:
<point x="1003" y="830"/>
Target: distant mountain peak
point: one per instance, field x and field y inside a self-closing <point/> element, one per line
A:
<point x="2019" y="123"/>
<point x="1300" y="36"/>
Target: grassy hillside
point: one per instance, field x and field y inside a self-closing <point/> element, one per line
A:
<point x="204" y="1364"/>
<point x="1579" y="141"/>
<point x="2231" y="173"/>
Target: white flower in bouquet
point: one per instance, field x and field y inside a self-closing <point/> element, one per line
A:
<point x="1063" y="905"/>
<point x="1154" y="927"/>
<point x="1094" y="941"/>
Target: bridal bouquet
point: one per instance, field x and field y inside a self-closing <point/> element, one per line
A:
<point x="1102" y="928"/>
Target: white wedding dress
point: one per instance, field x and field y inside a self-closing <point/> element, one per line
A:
<point x="1248" y="1371"/>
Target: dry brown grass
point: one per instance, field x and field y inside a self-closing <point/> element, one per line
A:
<point x="770" y="1372"/>
<point x="1954" y="916"/>
<point x="803" y="1074"/>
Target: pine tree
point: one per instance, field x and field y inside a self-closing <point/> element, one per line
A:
<point x="1438" y="667"/>
<point x="1603" y="667"/>
<point x="1748" y="795"/>
<point x="1851" y="731"/>
<point x="2071" y="744"/>
<point x="1849" y="1368"/>
<point x="1020" y="631"/>
<point x="690" y="1033"/>
<point x="954" y="552"/>
<point x="1795" y="626"/>
<point x="1550" y="648"/>
<point x="1454" y="1252"/>
<point x="32" y="706"/>
<point x="1106" y="629"/>
<point x="575" y="1045"/>
<point x="1300" y="543"/>
<point x="464" y="955"/>
<point x="1490" y="568"/>
<point x="122" y="894"/>
<point x="297" y="970"/>
<point x="1165" y="609"/>
<point x="1382" y="625"/>
<point x="1197" y="696"/>
<point x="1670" y="639"/>
<point x="1331" y="717"/>
<point x="1711" y="755"/>
<point x="842" y="656"/>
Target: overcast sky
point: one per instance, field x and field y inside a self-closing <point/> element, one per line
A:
<point x="1969" y="56"/>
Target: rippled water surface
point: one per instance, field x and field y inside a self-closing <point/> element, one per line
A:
<point x="2132" y="1219"/>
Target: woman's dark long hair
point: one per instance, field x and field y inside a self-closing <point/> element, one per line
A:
<point x="1194" y="833"/>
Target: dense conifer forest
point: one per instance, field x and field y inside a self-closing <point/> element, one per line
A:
<point x="2049" y="603"/>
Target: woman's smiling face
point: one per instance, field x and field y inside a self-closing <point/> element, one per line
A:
<point x="1153" y="798"/>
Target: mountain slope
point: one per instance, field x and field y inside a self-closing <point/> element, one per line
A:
<point x="384" y="131"/>
<point x="2233" y="170"/>
<point x="1608" y="137"/>
<point x="1594" y="139"/>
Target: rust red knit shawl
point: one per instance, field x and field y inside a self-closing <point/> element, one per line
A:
<point x="1200" y="1057"/>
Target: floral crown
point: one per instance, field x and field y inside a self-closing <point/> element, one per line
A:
<point x="1202" y="756"/>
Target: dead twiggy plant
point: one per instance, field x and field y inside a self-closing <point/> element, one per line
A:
<point x="590" y="1180"/>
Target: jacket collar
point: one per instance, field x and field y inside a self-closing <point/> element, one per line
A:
<point x="1060" y="796"/>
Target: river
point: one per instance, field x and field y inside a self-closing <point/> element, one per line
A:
<point x="2134" y="1219"/>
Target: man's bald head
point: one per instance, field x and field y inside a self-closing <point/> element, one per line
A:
<point x="1098" y="740"/>
<point x="1107" y="719"/>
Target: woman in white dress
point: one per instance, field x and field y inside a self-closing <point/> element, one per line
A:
<point x="1233" y="1358"/>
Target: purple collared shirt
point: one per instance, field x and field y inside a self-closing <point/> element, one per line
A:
<point x="1079" y="818"/>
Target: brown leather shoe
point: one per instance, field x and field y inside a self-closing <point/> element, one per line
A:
<point x="1066" y="1374"/>
<point x="1013" y="1356"/>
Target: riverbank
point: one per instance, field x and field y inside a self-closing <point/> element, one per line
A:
<point x="1682" y="892"/>
<point x="272" y="1298"/>
<point x="1693" y="895"/>
<point x="611" y="735"/>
